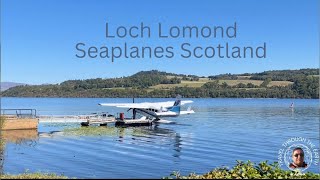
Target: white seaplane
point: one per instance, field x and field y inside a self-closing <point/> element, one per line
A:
<point x="155" y="110"/>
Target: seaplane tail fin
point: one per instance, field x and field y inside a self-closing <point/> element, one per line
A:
<point x="176" y="106"/>
<point x="177" y="102"/>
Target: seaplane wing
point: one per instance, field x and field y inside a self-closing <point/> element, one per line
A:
<point x="129" y="105"/>
<point x="154" y="109"/>
<point x="145" y="105"/>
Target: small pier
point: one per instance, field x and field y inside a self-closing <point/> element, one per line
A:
<point x="133" y="122"/>
<point x="118" y="122"/>
<point x="101" y="122"/>
<point x="15" y="119"/>
<point x="121" y="121"/>
<point x="96" y="119"/>
<point x="28" y="119"/>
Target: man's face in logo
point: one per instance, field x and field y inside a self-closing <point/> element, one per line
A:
<point x="298" y="157"/>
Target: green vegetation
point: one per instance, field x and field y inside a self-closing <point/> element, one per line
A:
<point x="285" y="75"/>
<point x="93" y="131"/>
<point x="243" y="170"/>
<point x="266" y="82"/>
<point x="248" y="170"/>
<point x="181" y="84"/>
<point x="2" y="145"/>
<point x="104" y="131"/>
<point x="1" y="121"/>
<point x="303" y="83"/>
<point x="36" y="175"/>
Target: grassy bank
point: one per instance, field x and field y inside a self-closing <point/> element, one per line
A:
<point x="243" y="170"/>
<point x="248" y="170"/>
<point x="37" y="175"/>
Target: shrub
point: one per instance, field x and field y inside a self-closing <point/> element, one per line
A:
<point x="248" y="170"/>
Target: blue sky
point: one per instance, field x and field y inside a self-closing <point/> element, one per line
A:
<point x="38" y="38"/>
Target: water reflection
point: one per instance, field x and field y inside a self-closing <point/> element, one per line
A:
<point x="163" y="136"/>
<point x="20" y="137"/>
<point x="150" y="136"/>
<point x="27" y="137"/>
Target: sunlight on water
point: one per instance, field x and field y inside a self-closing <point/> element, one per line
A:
<point x="219" y="133"/>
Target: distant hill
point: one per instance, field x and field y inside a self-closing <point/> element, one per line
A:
<point x="7" y="85"/>
<point x="303" y="83"/>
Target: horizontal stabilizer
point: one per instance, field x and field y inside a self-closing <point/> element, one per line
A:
<point x="187" y="112"/>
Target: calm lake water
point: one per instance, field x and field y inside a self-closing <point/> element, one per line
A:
<point x="219" y="133"/>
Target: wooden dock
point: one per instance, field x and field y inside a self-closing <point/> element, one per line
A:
<point x="15" y="119"/>
<point x="27" y="119"/>
<point x="14" y="123"/>
<point x="96" y="120"/>
<point x="118" y="122"/>
<point x="101" y="122"/>
<point x="133" y="122"/>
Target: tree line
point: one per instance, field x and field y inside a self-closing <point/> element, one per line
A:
<point x="305" y="85"/>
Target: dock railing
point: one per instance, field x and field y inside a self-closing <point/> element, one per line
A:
<point x="19" y="113"/>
